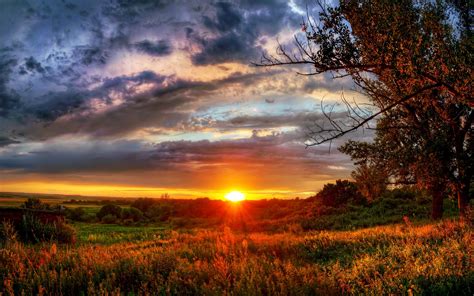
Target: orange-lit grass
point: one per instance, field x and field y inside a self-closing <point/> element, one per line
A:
<point x="380" y="260"/>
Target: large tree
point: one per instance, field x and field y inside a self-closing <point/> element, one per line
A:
<point x="413" y="59"/>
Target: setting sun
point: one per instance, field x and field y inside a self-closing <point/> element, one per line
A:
<point x="235" y="196"/>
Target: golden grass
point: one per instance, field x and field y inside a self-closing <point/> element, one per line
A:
<point x="389" y="260"/>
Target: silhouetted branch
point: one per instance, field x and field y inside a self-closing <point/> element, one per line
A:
<point x="318" y="136"/>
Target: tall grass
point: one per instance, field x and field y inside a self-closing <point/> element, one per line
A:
<point x="434" y="259"/>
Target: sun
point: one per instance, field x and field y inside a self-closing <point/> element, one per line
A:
<point x="235" y="196"/>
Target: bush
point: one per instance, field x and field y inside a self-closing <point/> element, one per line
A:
<point x="106" y="210"/>
<point x="66" y="234"/>
<point x="76" y="214"/>
<point x="35" y="204"/>
<point x="159" y="212"/>
<point x="88" y="217"/>
<point x="32" y="230"/>
<point x="132" y="214"/>
<point x="339" y="194"/>
<point x="143" y="204"/>
<point x="401" y="193"/>
<point x="7" y="232"/>
<point x="109" y="219"/>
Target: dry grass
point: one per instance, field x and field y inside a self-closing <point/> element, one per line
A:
<point x="432" y="259"/>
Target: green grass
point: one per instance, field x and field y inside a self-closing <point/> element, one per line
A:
<point x="88" y="209"/>
<point x="381" y="212"/>
<point x="106" y="234"/>
<point x="433" y="259"/>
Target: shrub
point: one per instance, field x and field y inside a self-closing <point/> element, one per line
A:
<point x="109" y="219"/>
<point x="75" y="214"/>
<point x="32" y="230"/>
<point x="87" y="217"/>
<point x="65" y="234"/>
<point x="143" y="204"/>
<point x="132" y="214"/>
<point x="339" y="194"/>
<point x="35" y="203"/>
<point x="401" y="193"/>
<point x="106" y="210"/>
<point x="7" y="232"/>
<point x="159" y="212"/>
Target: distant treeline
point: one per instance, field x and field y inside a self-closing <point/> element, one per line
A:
<point x="337" y="206"/>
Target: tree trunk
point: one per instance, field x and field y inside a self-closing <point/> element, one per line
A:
<point x="463" y="201"/>
<point x="437" y="209"/>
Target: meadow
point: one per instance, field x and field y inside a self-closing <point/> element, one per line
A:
<point x="269" y="247"/>
<point x="433" y="259"/>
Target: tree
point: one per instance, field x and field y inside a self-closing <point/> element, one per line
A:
<point x="371" y="181"/>
<point x="419" y="157"/>
<point x="109" y="210"/>
<point x="133" y="214"/>
<point x="413" y="59"/>
<point x="143" y="204"/>
<point x="35" y="204"/>
<point x="339" y="194"/>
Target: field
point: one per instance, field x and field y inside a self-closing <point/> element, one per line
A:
<point x="434" y="259"/>
<point x="110" y="234"/>
<point x="274" y="253"/>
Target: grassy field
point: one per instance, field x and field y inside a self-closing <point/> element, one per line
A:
<point x="433" y="259"/>
<point x="106" y="234"/>
<point x="269" y="247"/>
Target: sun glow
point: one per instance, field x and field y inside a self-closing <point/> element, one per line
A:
<point x="235" y="196"/>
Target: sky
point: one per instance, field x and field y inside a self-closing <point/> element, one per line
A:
<point x="141" y="98"/>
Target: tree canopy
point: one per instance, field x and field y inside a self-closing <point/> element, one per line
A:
<point x="413" y="60"/>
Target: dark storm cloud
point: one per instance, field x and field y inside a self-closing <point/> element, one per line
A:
<point x="227" y="18"/>
<point x="71" y="55"/>
<point x="4" y="141"/>
<point x="230" y="47"/>
<point x="237" y="28"/>
<point x="62" y="43"/>
<point x="131" y="11"/>
<point x="63" y="157"/>
<point x="89" y="55"/>
<point x="31" y="65"/>
<point x="60" y="103"/>
<point x="158" y="107"/>
<point x="9" y="99"/>
<point x="160" y="48"/>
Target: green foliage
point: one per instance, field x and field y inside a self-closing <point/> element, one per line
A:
<point x="132" y="214"/>
<point x="390" y="208"/>
<point x="65" y="234"/>
<point x="340" y="194"/>
<point x="32" y="230"/>
<point x="8" y="232"/>
<point x="76" y="214"/>
<point x="35" y="204"/>
<point x="106" y="234"/>
<point x="160" y="212"/>
<point x="109" y="209"/>
<point x="371" y="181"/>
<point x="407" y="193"/>
<point x="109" y="219"/>
<point x="143" y="204"/>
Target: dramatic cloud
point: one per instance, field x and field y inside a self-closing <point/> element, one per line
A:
<point x="272" y="161"/>
<point x="160" y="94"/>
<point x="237" y="28"/>
<point x="160" y="48"/>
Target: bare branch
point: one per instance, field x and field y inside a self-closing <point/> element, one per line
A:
<point x="334" y="134"/>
